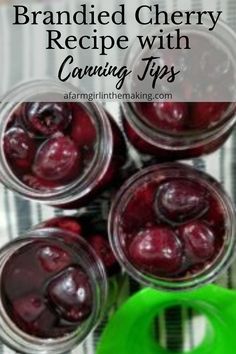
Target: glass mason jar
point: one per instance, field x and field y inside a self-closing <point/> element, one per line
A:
<point x="53" y="291"/>
<point x="174" y="146"/>
<point x="57" y="153"/>
<point x="177" y="127"/>
<point x="172" y="227"/>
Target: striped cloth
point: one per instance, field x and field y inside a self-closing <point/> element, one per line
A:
<point x="178" y="328"/>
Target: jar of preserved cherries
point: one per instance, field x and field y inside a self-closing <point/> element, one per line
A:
<point x="157" y="128"/>
<point x="201" y="113"/>
<point x="53" y="291"/>
<point x="173" y="227"/>
<point x="57" y="153"/>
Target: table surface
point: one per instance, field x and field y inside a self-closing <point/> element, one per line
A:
<point x="179" y="328"/>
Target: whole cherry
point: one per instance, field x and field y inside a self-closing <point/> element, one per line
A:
<point x="198" y="240"/>
<point x="207" y="114"/>
<point x="71" y="293"/>
<point x="83" y="131"/>
<point x="19" y="148"/>
<point x="57" y="159"/>
<point x="180" y="200"/>
<point x="157" y="250"/>
<point x="53" y="258"/>
<point x="169" y="116"/>
<point x="46" y="118"/>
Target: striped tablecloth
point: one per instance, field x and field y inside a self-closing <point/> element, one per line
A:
<point x="178" y="328"/>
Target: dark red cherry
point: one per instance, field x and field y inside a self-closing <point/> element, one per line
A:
<point x="47" y="118"/>
<point x="66" y="223"/>
<point x="199" y="240"/>
<point x="71" y="294"/>
<point x="180" y="200"/>
<point x="207" y="114"/>
<point x="102" y="248"/>
<point x="157" y="250"/>
<point x="28" y="308"/>
<point x="57" y="159"/>
<point x="165" y="115"/>
<point x="83" y="130"/>
<point x="53" y="258"/>
<point x="19" y="148"/>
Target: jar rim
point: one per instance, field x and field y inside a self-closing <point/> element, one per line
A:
<point x="81" y="186"/>
<point x="223" y="259"/>
<point x="182" y="140"/>
<point x="228" y="36"/>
